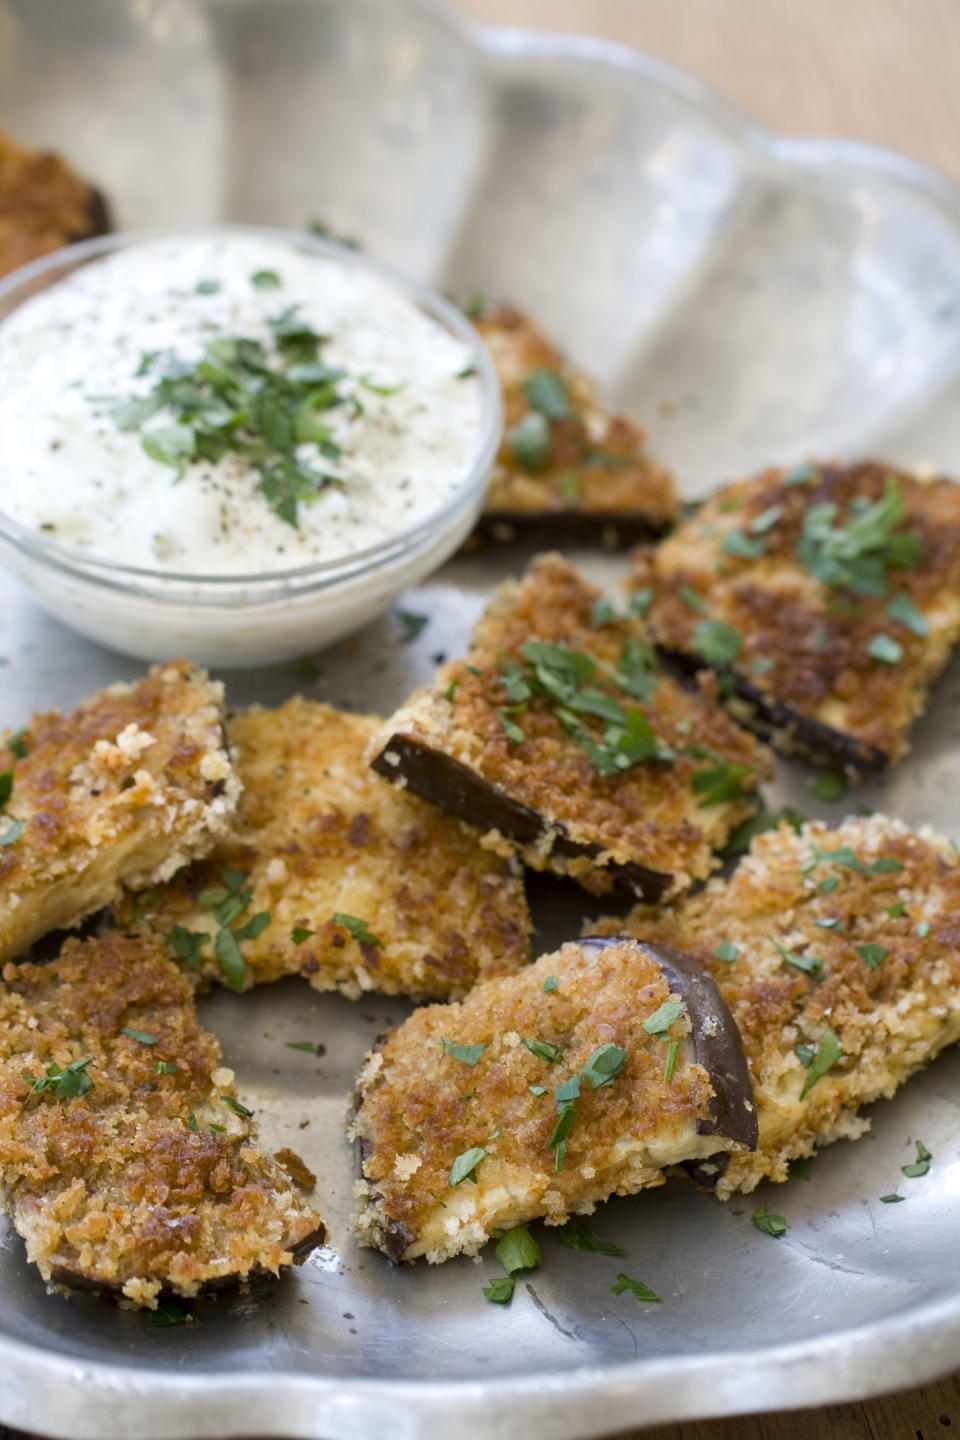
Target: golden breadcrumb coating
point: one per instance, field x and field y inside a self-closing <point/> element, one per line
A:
<point x="148" y="1182"/>
<point x="120" y="792"/>
<point x="806" y="671"/>
<point x="43" y="205"/>
<point x="648" y="825"/>
<point x="892" y="1006"/>
<point x="596" y="468"/>
<point x="318" y="834"/>
<point x="420" y="1107"/>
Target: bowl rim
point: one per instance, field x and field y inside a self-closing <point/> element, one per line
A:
<point x="222" y="587"/>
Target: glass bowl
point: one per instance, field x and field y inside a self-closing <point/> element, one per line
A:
<point x="245" y="619"/>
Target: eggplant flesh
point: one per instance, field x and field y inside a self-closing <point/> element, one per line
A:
<point x="717" y="1043"/>
<point x="455" y="787"/>
<point x="767" y="716"/>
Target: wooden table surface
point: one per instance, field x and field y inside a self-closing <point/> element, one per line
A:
<point x="885" y="71"/>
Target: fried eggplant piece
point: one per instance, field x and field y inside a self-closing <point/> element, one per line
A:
<point x="360" y="886"/>
<point x="836" y="951"/>
<point x="543" y="1093"/>
<point x="126" y="1161"/>
<point x="567" y="467"/>
<point x="43" y="205"/>
<point x="828" y="595"/>
<point x="120" y="792"/>
<point x="559" y="740"/>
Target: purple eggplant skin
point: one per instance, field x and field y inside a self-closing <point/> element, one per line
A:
<point x="453" y="786"/>
<point x="767" y="716"/>
<point x="80" y="1280"/>
<point x="550" y="529"/>
<point x="718" y="1046"/>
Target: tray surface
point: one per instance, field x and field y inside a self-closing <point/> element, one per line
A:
<point x="755" y="300"/>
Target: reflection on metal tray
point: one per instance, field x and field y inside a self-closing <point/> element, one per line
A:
<point x="755" y="299"/>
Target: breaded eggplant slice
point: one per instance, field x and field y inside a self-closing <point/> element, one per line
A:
<point x="120" y="792"/>
<point x="559" y="740"/>
<point x="830" y="597"/>
<point x="317" y="835"/>
<point x="567" y="466"/>
<point x="836" y="951"/>
<point x="481" y="1091"/>
<point x="43" y="205"/>
<point x="126" y="1161"/>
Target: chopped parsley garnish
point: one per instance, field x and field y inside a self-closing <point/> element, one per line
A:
<point x="832" y="922"/>
<point x="185" y="944"/>
<point x="203" y="287"/>
<point x="604" y="613"/>
<point x="143" y="1036"/>
<point x="411" y="625"/>
<point x="721" y="783"/>
<point x="827" y="1054"/>
<point x="884" y="865"/>
<point x="563" y="677"/>
<point x="6" y="785"/>
<point x="537" y="1090"/>
<point x="740" y="545"/>
<point x="546" y="392"/>
<point x="551" y="983"/>
<point x="192" y="1125"/>
<point x="829" y="884"/>
<point x="872" y="954"/>
<point x="717" y="642"/>
<point x="265" y="280"/>
<point x="165" y="1067"/>
<point x="830" y="786"/>
<point x="896" y="910"/>
<point x="66" y="1082"/>
<point x="636" y="1287"/>
<point x="452" y="688"/>
<point x="529" y="441"/>
<point x="774" y="1225"/>
<point x="800" y="474"/>
<point x="726" y="950"/>
<point x="500" y="1289"/>
<point x="307" y="1046"/>
<point x="517" y="1250"/>
<point x="923" y="928"/>
<point x="299" y="933"/>
<point x="811" y="964"/>
<point x="641" y="600"/>
<point x="570" y="487"/>
<point x="902" y="608"/>
<point x="856" y="556"/>
<point x="921" y="1165"/>
<point x="670" y="1064"/>
<point x="469" y="1054"/>
<point x="884" y="648"/>
<point x="244" y="399"/>
<point x="465" y="1165"/>
<point x="805" y="1054"/>
<point x="236" y="1107"/>
<point x="892" y="1199"/>
<point x="543" y="1050"/>
<point x="766" y="520"/>
<point x="510" y="728"/>
<point x="566" y="1096"/>
<point x="604" y="1065"/>
<point x="578" y="1236"/>
<point x="306" y="670"/>
<point x="761" y="664"/>
<point x="230" y="958"/>
<point x="359" y="929"/>
<point x="12" y="833"/>
<point x="693" y="598"/>
<point x="658" y="1024"/>
<point x="17" y="744"/>
<point x="742" y="835"/>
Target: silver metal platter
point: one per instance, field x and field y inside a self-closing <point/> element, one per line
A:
<point x="757" y="299"/>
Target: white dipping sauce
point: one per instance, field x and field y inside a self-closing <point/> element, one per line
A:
<point x="70" y="355"/>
